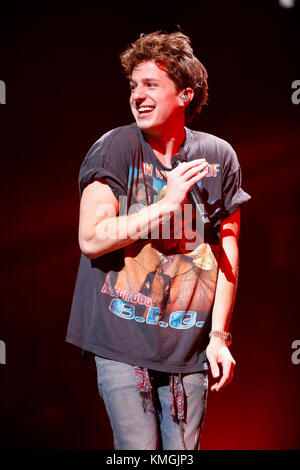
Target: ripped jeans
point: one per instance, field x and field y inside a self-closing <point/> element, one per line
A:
<point x="146" y="423"/>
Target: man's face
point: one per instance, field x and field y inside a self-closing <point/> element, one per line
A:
<point x="154" y="99"/>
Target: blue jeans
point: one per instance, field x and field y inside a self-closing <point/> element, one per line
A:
<point x="151" y="427"/>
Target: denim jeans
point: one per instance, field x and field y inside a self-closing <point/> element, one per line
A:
<point x="151" y="427"/>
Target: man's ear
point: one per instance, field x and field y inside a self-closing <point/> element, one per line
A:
<point x="185" y="96"/>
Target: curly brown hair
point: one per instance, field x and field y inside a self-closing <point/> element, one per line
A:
<point x="174" y="51"/>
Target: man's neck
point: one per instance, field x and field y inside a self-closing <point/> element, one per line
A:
<point x="167" y="145"/>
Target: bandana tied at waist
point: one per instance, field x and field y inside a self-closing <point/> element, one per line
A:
<point x="176" y="397"/>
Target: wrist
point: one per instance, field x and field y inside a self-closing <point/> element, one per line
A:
<point x="166" y="209"/>
<point x="219" y="335"/>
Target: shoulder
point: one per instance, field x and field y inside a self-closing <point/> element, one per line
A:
<point x="217" y="148"/>
<point x="112" y="145"/>
<point x="120" y="135"/>
<point x="211" y="141"/>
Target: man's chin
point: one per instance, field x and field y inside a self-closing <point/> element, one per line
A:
<point x="143" y="124"/>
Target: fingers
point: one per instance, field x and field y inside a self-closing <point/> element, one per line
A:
<point x="197" y="178"/>
<point x="214" y="368"/>
<point x="189" y="169"/>
<point x="181" y="179"/>
<point x="189" y="173"/>
<point x="215" y="371"/>
<point x="227" y="364"/>
<point x="227" y="374"/>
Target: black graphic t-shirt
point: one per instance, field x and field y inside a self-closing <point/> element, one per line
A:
<point x="149" y="304"/>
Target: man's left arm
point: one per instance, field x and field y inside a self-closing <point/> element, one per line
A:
<point x="217" y="352"/>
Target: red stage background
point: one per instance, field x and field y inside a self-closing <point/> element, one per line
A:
<point x="64" y="88"/>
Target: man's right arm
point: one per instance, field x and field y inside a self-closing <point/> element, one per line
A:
<point x="101" y="231"/>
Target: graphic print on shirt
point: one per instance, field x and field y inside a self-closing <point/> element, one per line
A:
<point x="164" y="281"/>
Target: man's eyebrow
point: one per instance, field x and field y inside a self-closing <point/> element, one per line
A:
<point x="146" y="79"/>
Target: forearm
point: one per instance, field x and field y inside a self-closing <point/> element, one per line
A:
<point x="115" y="232"/>
<point x="226" y="284"/>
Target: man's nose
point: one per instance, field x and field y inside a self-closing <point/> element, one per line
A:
<point x="139" y="94"/>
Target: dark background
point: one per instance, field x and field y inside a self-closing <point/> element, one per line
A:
<point x="64" y="88"/>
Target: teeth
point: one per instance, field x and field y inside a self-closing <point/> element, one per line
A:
<point x="142" y="109"/>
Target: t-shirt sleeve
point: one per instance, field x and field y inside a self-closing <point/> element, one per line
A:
<point x="233" y="194"/>
<point x="107" y="160"/>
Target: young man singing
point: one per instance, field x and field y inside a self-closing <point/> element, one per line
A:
<point x="155" y="287"/>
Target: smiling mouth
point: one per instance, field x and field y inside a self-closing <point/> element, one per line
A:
<point x="144" y="110"/>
